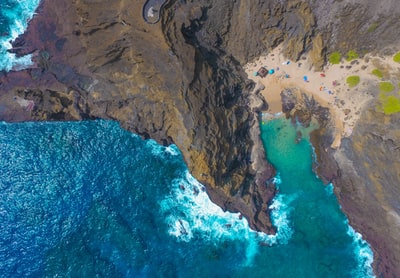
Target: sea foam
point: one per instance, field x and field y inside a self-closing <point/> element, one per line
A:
<point x="190" y="214"/>
<point x="18" y="17"/>
<point x="363" y="252"/>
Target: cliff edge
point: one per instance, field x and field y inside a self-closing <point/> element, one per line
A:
<point x="181" y="81"/>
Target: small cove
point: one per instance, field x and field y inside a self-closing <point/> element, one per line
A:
<point x="322" y="238"/>
<point x="89" y="198"/>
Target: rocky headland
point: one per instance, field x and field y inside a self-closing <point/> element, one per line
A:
<point x="182" y="81"/>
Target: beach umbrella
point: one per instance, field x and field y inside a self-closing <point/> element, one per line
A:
<point x="271" y="71"/>
<point x="305" y="78"/>
<point x="255" y="73"/>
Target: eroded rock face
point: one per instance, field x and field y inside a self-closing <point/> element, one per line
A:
<point x="180" y="81"/>
<point x="177" y="82"/>
<point x="361" y="25"/>
<point x="369" y="188"/>
<point x="365" y="171"/>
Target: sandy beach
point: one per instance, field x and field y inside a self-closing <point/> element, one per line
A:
<point x="328" y="87"/>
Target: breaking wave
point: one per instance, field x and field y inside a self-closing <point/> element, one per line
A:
<point x="190" y="214"/>
<point x="16" y="15"/>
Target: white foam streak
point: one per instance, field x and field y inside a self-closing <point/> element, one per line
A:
<point x="280" y="217"/>
<point x="190" y="213"/>
<point x="159" y="150"/>
<point x="364" y="254"/>
<point x="20" y="22"/>
<point x="172" y="150"/>
<point x="329" y="189"/>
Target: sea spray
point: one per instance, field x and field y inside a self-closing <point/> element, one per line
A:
<point x="363" y="251"/>
<point x="98" y="199"/>
<point x="17" y="15"/>
<point x="191" y="214"/>
<point x="318" y="224"/>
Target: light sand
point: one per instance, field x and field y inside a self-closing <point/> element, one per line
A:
<point x="330" y="90"/>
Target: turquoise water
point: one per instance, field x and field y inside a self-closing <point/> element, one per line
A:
<point x="14" y="18"/>
<point x="322" y="241"/>
<point x="88" y="198"/>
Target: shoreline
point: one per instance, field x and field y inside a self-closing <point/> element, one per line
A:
<point x="345" y="104"/>
<point x="275" y="105"/>
<point x="327" y="87"/>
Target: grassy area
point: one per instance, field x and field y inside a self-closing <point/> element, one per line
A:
<point x="335" y="57"/>
<point x="386" y="87"/>
<point x="353" y="80"/>
<point x="351" y="55"/>
<point x="389" y="103"/>
<point x="396" y="57"/>
<point x="377" y="73"/>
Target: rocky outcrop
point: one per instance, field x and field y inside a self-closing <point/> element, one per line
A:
<point x="180" y="81"/>
<point x="362" y="25"/>
<point x="303" y="109"/>
<point x="364" y="170"/>
<point x="368" y="187"/>
<point x="177" y="82"/>
<point x="157" y="81"/>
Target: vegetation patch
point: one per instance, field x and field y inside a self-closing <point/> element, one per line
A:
<point x="386" y="87"/>
<point x="353" y="80"/>
<point x="389" y="103"/>
<point x="335" y="57"/>
<point x="372" y="27"/>
<point x="396" y="57"/>
<point x="351" y="55"/>
<point x="377" y="73"/>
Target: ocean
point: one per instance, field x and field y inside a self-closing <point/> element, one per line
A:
<point x="89" y="199"/>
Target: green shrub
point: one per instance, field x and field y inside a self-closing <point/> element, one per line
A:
<point x="377" y="73"/>
<point x="334" y="58"/>
<point x="353" y="80"/>
<point x="351" y="55"/>
<point x="386" y="87"/>
<point x="390" y="104"/>
<point x="396" y="57"/>
<point x="373" y="27"/>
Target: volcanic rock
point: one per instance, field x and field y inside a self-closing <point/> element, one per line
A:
<point x="181" y="81"/>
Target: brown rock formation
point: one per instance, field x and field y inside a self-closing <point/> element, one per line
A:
<point x="369" y="188"/>
<point x="180" y="81"/>
<point x="365" y="171"/>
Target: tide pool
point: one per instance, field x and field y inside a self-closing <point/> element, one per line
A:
<point x="89" y="199"/>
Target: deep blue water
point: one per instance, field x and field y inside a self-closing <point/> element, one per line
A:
<point x="88" y="199"/>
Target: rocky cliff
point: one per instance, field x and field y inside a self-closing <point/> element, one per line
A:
<point x="369" y="185"/>
<point x="180" y="81"/>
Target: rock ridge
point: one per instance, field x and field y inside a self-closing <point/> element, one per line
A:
<point x="180" y="81"/>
